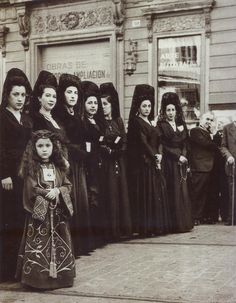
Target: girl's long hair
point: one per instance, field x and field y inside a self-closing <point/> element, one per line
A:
<point x="30" y="163"/>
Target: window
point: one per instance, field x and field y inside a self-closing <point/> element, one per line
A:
<point x="179" y="64"/>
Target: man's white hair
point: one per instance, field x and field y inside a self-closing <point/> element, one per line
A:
<point x="207" y="114"/>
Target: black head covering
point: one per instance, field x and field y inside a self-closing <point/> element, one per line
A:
<point x="171" y="98"/>
<point x="142" y="92"/>
<point x="108" y="89"/>
<point x="45" y="78"/>
<point x="15" y="76"/>
<point x="89" y="89"/>
<point x="65" y="81"/>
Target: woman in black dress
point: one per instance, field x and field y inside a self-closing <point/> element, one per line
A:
<point x="149" y="203"/>
<point x="174" y="136"/>
<point x="41" y="108"/>
<point x="15" y="132"/>
<point x="68" y="112"/>
<point x="43" y="101"/>
<point x="93" y="128"/>
<point x="117" y="200"/>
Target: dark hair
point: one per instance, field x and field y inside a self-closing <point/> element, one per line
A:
<point x="142" y="92"/>
<point x="91" y="89"/>
<point x="108" y="89"/>
<point x="30" y="163"/>
<point x="107" y="97"/>
<point x="65" y="81"/>
<point x="9" y="84"/>
<point x="171" y="98"/>
<point x="45" y="80"/>
<point x="35" y="103"/>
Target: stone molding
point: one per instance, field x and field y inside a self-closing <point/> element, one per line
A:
<point x="73" y="20"/>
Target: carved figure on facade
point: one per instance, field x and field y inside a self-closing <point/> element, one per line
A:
<point x="24" y="29"/>
<point x="149" y="19"/>
<point x="71" y="20"/>
<point x="119" y="17"/>
<point x="3" y="32"/>
<point x="207" y="22"/>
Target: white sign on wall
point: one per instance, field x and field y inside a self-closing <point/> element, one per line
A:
<point x="89" y="61"/>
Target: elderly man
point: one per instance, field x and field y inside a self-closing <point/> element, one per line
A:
<point x="228" y="149"/>
<point x="202" y="156"/>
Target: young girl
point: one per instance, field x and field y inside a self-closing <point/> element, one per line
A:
<point x="45" y="258"/>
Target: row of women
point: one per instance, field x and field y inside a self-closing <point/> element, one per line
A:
<point x="121" y="184"/>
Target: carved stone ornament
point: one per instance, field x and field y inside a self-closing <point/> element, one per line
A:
<point x="118" y="10"/>
<point x="173" y="24"/>
<point x="178" y="15"/>
<point x="24" y="26"/>
<point x="207" y="22"/>
<point x="23" y="23"/>
<point x="71" y="20"/>
<point x="3" y="32"/>
<point x="149" y="19"/>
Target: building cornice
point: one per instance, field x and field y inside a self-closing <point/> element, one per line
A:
<point x="163" y="7"/>
<point x="172" y="10"/>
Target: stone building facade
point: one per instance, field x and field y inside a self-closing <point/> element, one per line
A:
<point x="184" y="46"/>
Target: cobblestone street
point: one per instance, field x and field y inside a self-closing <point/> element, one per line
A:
<point x="194" y="267"/>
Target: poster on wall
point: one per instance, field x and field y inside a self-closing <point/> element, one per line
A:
<point x="89" y="61"/>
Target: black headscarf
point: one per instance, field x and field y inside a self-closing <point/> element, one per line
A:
<point x="108" y="89"/>
<point x="89" y="89"/>
<point x="171" y="98"/>
<point x="65" y="81"/>
<point x="14" y="77"/>
<point x="142" y="92"/>
<point x="46" y="79"/>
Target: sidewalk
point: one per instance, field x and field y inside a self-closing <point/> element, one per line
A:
<point x="194" y="267"/>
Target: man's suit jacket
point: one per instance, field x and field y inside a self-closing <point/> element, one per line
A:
<point x="202" y="150"/>
<point x="228" y="145"/>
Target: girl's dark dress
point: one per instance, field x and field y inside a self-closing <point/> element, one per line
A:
<point x="117" y="200"/>
<point x="174" y="145"/>
<point x="46" y="259"/>
<point x="149" y="203"/>
<point x="81" y="222"/>
<point x="13" y="139"/>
